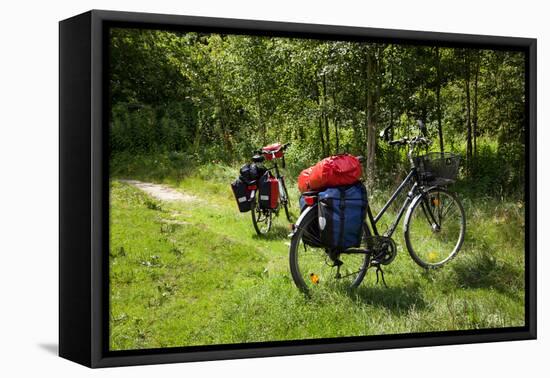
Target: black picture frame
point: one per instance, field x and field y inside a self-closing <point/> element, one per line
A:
<point x="84" y="191"/>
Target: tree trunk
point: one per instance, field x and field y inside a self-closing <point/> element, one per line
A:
<point x="468" y="113"/>
<point x="321" y="137"/>
<point x="335" y="119"/>
<point x="371" y="125"/>
<point x="261" y="124"/>
<point x="474" y="117"/>
<point x="366" y="90"/>
<point x="390" y="130"/>
<point x="392" y="104"/>
<point x="438" y="99"/>
<point x="224" y="132"/>
<point x="357" y="135"/>
<point x="198" y="133"/>
<point x="325" y="116"/>
<point x="337" y="136"/>
<point x="223" y="129"/>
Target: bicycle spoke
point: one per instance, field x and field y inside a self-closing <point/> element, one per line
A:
<point x="350" y="274"/>
<point x="434" y="245"/>
<point x="314" y="267"/>
<point x="452" y="208"/>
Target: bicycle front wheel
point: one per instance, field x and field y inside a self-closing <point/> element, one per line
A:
<point x="314" y="267"/>
<point x="435" y="226"/>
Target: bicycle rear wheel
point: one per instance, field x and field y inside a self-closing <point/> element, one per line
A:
<point x="435" y="226"/>
<point x="314" y="267"/>
<point x="262" y="219"/>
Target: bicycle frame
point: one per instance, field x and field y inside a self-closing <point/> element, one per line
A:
<point x="282" y="202"/>
<point x="373" y="220"/>
<point x="276" y="167"/>
<point x="280" y="179"/>
<point x="278" y="175"/>
<point x="413" y="192"/>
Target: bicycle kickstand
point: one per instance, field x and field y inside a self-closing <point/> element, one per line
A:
<point x="379" y="269"/>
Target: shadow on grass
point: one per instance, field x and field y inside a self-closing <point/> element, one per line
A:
<point x="398" y="300"/>
<point x="483" y="270"/>
<point x="277" y="232"/>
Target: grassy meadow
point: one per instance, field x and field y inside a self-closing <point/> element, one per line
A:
<point x="195" y="272"/>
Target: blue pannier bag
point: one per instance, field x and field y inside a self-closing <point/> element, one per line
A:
<point x="311" y="234"/>
<point x="342" y="212"/>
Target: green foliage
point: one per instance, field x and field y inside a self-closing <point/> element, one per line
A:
<point x="498" y="172"/>
<point x="219" y="97"/>
<point x="173" y="165"/>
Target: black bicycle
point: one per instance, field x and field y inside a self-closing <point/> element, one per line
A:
<point x="434" y="226"/>
<point x="262" y="217"/>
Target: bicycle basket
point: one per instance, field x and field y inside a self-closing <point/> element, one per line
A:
<point x="438" y="168"/>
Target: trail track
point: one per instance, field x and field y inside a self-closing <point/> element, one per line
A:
<point x="162" y="192"/>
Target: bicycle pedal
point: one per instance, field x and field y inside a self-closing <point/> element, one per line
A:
<point x="375" y="261"/>
<point x="379" y="259"/>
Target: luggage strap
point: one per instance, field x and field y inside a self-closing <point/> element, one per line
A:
<point x="342" y="209"/>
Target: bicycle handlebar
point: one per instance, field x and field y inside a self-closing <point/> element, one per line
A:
<point x="400" y="142"/>
<point x="414" y="141"/>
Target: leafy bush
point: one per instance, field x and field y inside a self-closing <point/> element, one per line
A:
<point x="154" y="167"/>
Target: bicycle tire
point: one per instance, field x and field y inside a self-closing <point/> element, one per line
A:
<point x="299" y="268"/>
<point x="257" y="213"/>
<point x="423" y="202"/>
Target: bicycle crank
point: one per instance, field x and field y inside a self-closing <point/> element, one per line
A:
<point x="383" y="249"/>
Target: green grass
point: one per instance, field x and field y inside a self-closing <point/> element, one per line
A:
<point x="195" y="273"/>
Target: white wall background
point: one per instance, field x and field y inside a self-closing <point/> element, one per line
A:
<point x="29" y="186"/>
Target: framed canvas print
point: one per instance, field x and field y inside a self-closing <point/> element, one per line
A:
<point x="234" y="188"/>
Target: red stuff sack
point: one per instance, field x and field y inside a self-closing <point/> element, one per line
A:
<point x="332" y="171"/>
<point x="303" y="180"/>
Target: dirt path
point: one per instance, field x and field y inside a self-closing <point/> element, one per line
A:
<point x="161" y="192"/>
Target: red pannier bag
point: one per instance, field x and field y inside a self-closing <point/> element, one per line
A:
<point x="268" y="151"/>
<point x="268" y="191"/>
<point x="332" y="171"/>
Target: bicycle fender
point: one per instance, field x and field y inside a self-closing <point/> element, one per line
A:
<point x="301" y="218"/>
<point x="409" y="212"/>
<point x="413" y="203"/>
